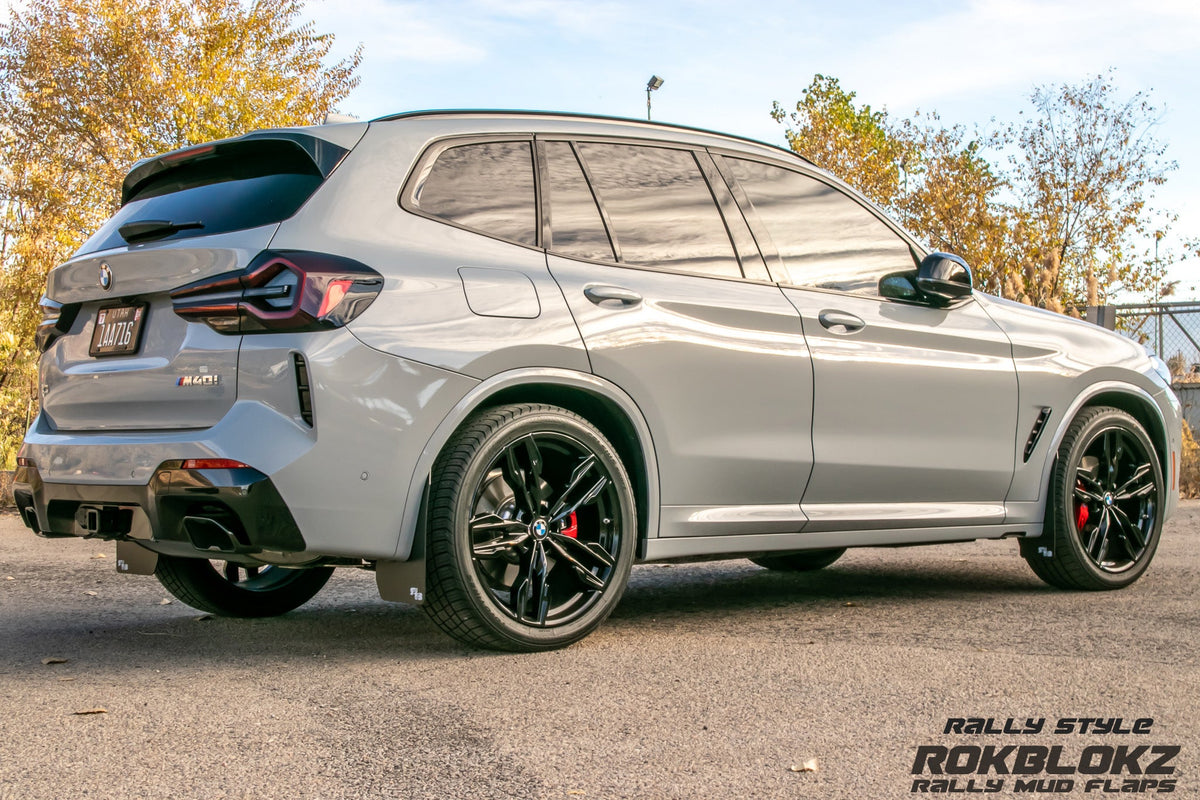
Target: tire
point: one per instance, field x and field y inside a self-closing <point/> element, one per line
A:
<point x="1104" y="513"/>
<point x="236" y="590"/>
<point x="805" y="561"/>
<point x="531" y="530"/>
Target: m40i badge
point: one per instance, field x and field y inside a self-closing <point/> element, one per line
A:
<point x="198" y="380"/>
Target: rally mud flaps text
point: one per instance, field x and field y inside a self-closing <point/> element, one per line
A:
<point x="1127" y="766"/>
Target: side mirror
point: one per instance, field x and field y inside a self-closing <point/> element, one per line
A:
<point x="900" y="286"/>
<point x="944" y="278"/>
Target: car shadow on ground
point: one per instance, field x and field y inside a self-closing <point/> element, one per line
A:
<point x="350" y="622"/>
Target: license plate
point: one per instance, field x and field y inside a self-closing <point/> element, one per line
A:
<point x="118" y="330"/>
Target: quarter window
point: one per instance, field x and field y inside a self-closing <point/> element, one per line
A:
<point x="578" y="229"/>
<point x="826" y="239"/>
<point x="661" y="209"/>
<point x="486" y="186"/>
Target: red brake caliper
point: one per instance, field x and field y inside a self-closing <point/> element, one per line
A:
<point x="572" y="527"/>
<point x="1081" y="514"/>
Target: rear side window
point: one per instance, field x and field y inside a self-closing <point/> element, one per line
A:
<point x="487" y="186"/>
<point x="661" y="209"/>
<point x="578" y="229"/>
<point x="826" y="239"/>
<point x="238" y="186"/>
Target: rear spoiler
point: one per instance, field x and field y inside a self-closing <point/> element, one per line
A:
<point x="324" y="153"/>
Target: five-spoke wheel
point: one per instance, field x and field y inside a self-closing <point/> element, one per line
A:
<point x="531" y="529"/>
<point x="1104" y="513"/>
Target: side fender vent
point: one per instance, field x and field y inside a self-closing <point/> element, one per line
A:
<point x="1039" y="425"/>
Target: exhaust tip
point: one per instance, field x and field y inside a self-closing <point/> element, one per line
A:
<point x="208" y="534"/>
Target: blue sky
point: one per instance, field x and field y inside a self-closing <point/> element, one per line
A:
<point x="724" y="62"/>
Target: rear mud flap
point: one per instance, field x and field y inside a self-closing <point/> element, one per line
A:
<point x="133" y="559"/>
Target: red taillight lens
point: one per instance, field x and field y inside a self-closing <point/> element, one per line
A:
<point x="281" y="291"/>
<point x="213" y="463"/>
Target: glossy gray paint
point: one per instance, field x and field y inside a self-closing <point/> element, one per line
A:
<point x="913" y="414"/>
<point x="720" y="370"/>
<point x="715" y="378"/>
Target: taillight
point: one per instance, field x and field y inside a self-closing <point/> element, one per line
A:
<point x="281" y="291"/>
<point x="56" y="320"/>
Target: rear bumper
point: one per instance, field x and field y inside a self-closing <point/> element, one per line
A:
<point x="208" y="510"/>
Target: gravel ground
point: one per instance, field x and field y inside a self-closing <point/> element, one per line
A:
<point x="710" y="681"/>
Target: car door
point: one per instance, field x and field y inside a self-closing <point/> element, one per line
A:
<point x="914" y="406"/>
<point x="716" y="361"/>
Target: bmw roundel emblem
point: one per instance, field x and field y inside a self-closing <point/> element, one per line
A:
<point x="106" y="277"/>
<point x="540" y="530"/>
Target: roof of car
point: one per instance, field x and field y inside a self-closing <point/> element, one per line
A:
<point x="571" y="115"/>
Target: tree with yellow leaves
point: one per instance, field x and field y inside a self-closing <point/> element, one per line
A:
<point x="1065" y="224"/>
<point x="87" y="87"/>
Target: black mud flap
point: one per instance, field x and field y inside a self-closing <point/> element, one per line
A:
<point x="133" y="559"/>
<point x="404" y="581"/>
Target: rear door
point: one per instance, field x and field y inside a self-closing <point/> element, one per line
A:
<point x="914" y="407"/>
<point x="715" y="360"/>
<point x="120" y="358"/>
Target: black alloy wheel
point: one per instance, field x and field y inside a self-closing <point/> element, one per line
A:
<point x="531" y="530"/>
<point x="1105" y="511"/>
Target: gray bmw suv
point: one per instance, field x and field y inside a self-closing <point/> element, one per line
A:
<point x="498" y="358"/>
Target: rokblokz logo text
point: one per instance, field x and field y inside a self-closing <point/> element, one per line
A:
<point x="1124" y="766"/>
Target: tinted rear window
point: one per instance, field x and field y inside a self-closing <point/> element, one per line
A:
<point x="487" y="187"/>
<point x="242" y="185"/>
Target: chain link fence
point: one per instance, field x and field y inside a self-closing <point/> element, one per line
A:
<point x="1172" y="332"/>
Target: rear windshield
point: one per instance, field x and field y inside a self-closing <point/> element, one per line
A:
<point x="241" y="185"/>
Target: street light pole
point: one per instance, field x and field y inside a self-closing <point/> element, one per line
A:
<point x="651" y="85"/>
<point x="1158" y="332"/>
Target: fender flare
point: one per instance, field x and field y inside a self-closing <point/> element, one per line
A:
<point x="1081" y="400"/>
<point x="479" y="395"/>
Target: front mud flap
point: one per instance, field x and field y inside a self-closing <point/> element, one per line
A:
<point x="133" y="559"/>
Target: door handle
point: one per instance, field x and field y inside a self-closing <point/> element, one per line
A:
<point x="604" y="294"/>
<point x="840" y="322"/>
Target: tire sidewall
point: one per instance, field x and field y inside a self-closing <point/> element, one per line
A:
<point x="542" y="420"/>
<point x="1064" y="497"/>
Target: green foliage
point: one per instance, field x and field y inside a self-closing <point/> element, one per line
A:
<point x="87" y="87"/>
<point x="1060" y="224"/>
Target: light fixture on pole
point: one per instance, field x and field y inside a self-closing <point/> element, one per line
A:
<point x="651" y="85"/>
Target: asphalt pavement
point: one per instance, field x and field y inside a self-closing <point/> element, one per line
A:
<point x="719" y="680"/>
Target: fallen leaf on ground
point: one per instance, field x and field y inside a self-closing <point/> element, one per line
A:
<point x="54" y="660"/>
<point x="807" y="766"/>
<point x="88" y="711"/>
<point x="99" y="555"/>
<point x="851" y="603"/>
<point x="91" y="594"/>
<point x="164" y="602"/>
<point x="9" y="578"/>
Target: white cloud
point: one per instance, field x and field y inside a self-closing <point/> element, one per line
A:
<point x="1016" y="43"/>
<point x="394" y="31"/>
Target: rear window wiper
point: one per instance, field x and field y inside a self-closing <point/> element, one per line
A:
<point x="147" y="229"/>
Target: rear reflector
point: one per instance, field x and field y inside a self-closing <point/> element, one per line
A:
<point x="22" y="461"/>
<point x="213" y="463"/>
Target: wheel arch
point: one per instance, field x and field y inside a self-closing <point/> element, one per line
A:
<point x="599" y="401"/>
<point x="1131" y="399"/>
